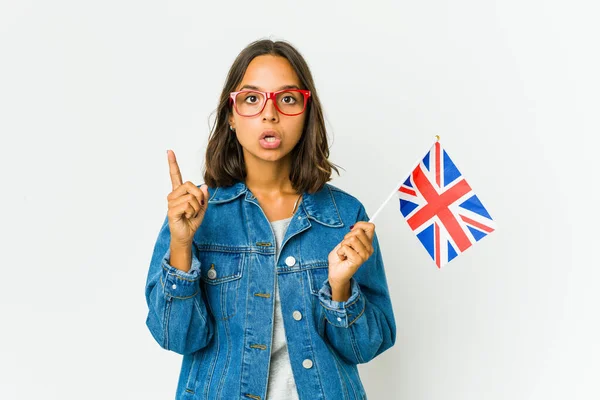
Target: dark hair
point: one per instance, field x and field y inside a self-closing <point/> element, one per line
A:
<point x="310" y="168"/>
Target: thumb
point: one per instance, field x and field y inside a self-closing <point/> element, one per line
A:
<point x="203" y="207"/>
<point x="204" y="189"/>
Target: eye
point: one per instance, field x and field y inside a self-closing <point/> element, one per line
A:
<point x="251" y="99"/>
<point x="288" y="100"/>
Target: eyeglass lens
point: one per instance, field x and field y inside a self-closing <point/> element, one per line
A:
<point x="287" y="102"/>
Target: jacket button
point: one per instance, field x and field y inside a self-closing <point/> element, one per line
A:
<point x="174" y="286"/>
<point x="212" y="274"/>
<point x="297" y="315"/>
<point x="307" y="363"/>
<point x="290" y="261"/>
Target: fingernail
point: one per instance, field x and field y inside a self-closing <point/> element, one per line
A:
<point x="351" y="227"/>
<point x="202" y="202"/>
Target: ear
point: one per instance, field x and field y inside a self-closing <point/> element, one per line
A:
<point x="231" y="120"/>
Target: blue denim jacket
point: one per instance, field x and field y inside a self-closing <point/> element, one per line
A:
<point x="219" y="315"/>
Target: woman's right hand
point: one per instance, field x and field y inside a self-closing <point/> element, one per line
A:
<point x="187" y="205"/>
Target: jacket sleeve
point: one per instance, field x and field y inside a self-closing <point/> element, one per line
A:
<point x="177" y="314"/>
<point x="363" y="326"/>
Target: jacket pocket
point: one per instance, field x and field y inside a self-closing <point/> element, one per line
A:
<point x="316" y="277"/>
<point x="221" y="273"/>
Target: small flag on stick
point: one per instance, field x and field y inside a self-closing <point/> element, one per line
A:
<point x="441" y="208"/>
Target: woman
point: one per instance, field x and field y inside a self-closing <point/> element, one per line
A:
<point x="266" y="226"/>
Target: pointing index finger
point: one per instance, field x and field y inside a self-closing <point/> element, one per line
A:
<point x="176" y="180"/>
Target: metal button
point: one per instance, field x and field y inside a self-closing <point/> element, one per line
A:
<point x="174" y="286"/>
<point x="212" y="274"/>
<point x="307" y="363"/>
<point x="339" y="319"/>
<point x="297" y="315"/>
<point x="290" y="261"/>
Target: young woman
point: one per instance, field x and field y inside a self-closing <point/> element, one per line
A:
<point x="267" y="226"/>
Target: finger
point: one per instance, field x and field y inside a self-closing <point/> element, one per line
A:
<point x="180" y="205"/>
<point x="183" y="209"/>
<point x="203" y="196"/>
<point x="357" y="246"/>
<point x="348" y="253"/>
<point x="185" y="188"/>
<point x="361" y="235"/>
<point x="190" y="211"/>
<point x="204" y="190"/>
<point x="176" y="180"/>
<point x="368" y="227"/>
<point x="197" y="192"/>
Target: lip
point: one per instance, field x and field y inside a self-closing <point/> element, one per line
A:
<point x="270" y="145"/>
<point x="270" y="133"/>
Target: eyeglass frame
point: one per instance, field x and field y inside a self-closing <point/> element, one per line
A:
<point x="270" y="95"/>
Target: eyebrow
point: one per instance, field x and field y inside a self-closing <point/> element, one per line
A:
<point x="252" y="87"/>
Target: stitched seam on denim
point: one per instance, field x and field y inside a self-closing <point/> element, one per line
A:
<point x="213" y="363"/>
<point x="223" y="279"/>
<point x="228" y="360"/>
<point x="204" y="354"/>
<point x="307" y="327"/>
<point x="301" y="267"/>
<point x="176" y="297"/>
<point x="344" y="308"/>
<point x="314" y="290"/>
<point x="237" y="289"/>
<point x="189" y="382"/>
<point x="244" y="353"/>
<point x="208" y="303"/>
<point x="222" y="248"/>
<point x="178" y="276"/>
<point x="251" y="396"/>
<point x="357" y="317"/>
<point x="166" y="317"/>
<point x="258" y="346"/>
<point x="185" y="297"/>
<point x="355" y="347"/>
<point x="341" y="370"/>
<point x="336" y="323"/>
<point x="258" y="250"/>
<point x="197" y="307"/>
<point x="287" y="238"/>
<point x="336" y="208"/>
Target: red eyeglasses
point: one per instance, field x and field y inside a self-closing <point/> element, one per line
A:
<point x="249" y="103"/>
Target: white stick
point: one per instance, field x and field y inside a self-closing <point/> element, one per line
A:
<point x="437" y="138"/>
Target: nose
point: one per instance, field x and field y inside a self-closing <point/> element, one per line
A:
<point x="270" y="111"/>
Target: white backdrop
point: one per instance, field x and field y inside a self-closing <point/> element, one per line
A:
<point x="93" y="93"/>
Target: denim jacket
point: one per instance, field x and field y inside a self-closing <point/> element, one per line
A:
<point x="219" y="315"/>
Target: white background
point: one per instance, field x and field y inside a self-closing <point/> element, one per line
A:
<point x="93" y="93"/>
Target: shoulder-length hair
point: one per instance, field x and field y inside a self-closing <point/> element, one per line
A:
<point x="310" y="168"/>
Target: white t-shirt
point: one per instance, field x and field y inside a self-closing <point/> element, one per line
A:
<point x="281" y="384"/>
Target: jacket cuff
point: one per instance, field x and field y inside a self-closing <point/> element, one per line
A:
<point x="342" y="313"/>
<point x="177" y="283"/>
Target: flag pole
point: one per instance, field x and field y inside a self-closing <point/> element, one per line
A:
<point x="437" y="139"/>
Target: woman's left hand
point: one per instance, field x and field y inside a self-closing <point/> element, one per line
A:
<point x="351" y="253"/>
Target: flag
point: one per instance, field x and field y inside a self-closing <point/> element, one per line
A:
<point x="441" y="208"/>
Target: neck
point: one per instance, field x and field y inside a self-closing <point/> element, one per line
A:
<point x="269" y="178"/>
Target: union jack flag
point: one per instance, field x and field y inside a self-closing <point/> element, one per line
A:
<point x="441" y="208"/>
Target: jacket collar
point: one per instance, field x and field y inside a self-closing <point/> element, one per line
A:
<point x="319" y="206"/>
